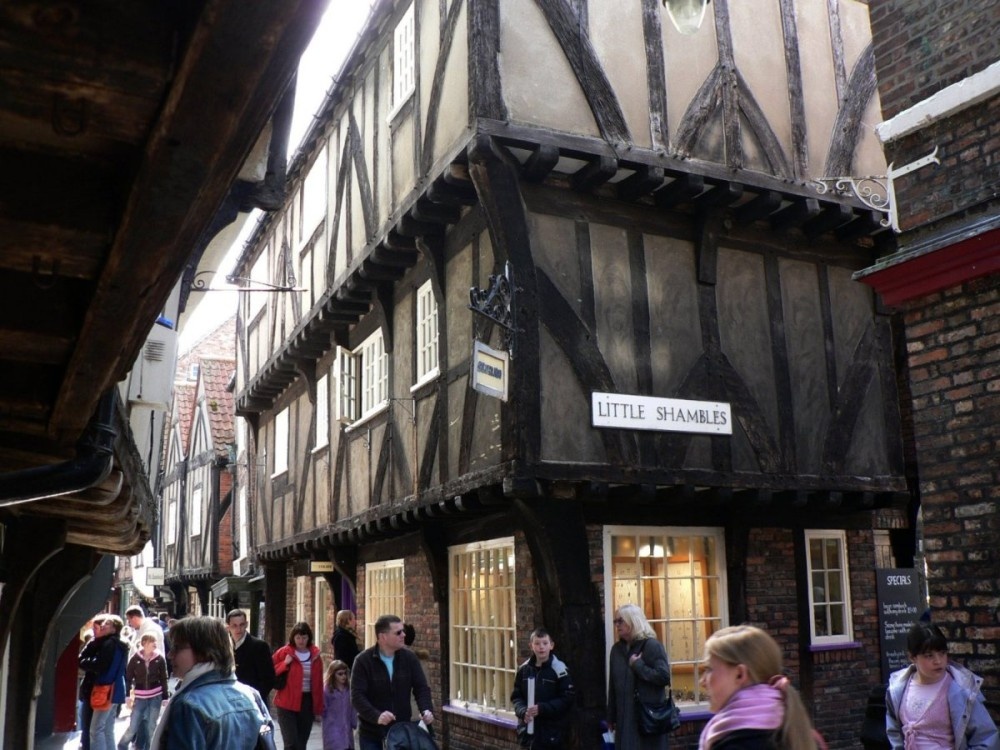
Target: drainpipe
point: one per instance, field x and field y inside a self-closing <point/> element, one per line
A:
<point x="94" y="461"/>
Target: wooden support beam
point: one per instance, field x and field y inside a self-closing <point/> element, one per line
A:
<point x="541" y="162"/>
<point x="759" y="208"/>
<point x="832" y="216"/>
<point x="862" y="225"/>
<point x="596" y="173"/>
<point x="644" y="181"/>
<point x="795" y="214"/>
<point x="435" y="213"/>
<point x="723" y="194"/>
<point x="680" y="190"/>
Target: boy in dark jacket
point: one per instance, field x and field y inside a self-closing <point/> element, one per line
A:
<point x="146" y="678"/>
<point x="553" y="696"/>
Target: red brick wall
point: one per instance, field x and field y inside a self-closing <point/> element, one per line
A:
<point x="922" y="46"/>
<point x="953" y="340"/>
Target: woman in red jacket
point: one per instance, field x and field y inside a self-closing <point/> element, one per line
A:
<point x="298" y="668"/>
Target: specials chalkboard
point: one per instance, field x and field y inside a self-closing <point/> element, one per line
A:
<point x="900" y="604"/>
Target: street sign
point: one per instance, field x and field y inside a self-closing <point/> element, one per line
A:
<point x="154" y="577"/>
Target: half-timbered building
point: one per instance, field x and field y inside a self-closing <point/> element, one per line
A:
<point x="196" y="547"/>
<point x="683" y="401"/>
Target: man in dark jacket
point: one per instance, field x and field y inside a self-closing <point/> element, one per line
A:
<point x="552" y="700"/>
<point x="382" y="680"/>
<point x="254" y="666"/>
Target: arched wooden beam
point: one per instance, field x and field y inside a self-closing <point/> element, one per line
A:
<point x="437" y="86"/>
<point x="847" y="128"/>
<point x="850" y="403"/>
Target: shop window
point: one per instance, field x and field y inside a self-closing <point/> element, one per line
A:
<point x="829" y="588"/>
<point x="172" y="519"/>
<point x="384" y="594"/>
<point x="483" y="626"/>
<point x="677" y="576"/>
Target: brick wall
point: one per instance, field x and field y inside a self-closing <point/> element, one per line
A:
<point x="953" y="342"/>
<point x="922" y="46"/>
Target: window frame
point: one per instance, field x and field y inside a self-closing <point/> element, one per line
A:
<point x="404" y="60"/>
<point x="840" y="537"/>
<point x="194" y="517"/>
<point x="426" y="347"/>
<point x="322" y="437"/>
<point x="503" y="626"/>
<point x="375" y="599"/>
<point x="680" y="663"/>
<point x="281" y="437"/>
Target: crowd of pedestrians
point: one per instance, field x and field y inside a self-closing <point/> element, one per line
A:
<point x="228" y="682"/>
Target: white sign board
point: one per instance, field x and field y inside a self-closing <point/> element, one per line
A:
<point x="490" y="370"/>
<point x="320" y="566"/>
<point x="662" y="414"/>
<point x="154" y="576"/>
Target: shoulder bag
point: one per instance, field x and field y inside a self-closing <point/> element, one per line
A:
<point x="656" y="717"/>
<point x="101" y="693"/>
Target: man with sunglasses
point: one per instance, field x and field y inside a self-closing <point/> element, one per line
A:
<point x="382" y="680"/>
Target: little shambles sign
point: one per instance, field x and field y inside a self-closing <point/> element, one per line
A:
<point x="663" y="414"/>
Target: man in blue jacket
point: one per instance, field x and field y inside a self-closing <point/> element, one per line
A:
<point x="106" y="658"/>
<point x="552" y="700"/>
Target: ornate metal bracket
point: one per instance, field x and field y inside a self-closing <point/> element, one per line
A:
<point x="877" y="192"/>
<point x="241" y="283"/>
<point x="497" y="304"/>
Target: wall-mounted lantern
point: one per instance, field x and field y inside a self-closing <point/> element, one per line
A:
<point x="686" y="15"/>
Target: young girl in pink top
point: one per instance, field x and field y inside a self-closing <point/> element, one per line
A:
<point x="339" y="718"/>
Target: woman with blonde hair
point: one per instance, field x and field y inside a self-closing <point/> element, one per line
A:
<point x="638" y="670"/>
<point x="755" y="705"/>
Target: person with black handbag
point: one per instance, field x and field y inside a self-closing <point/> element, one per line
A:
<point x="639" y="675"/>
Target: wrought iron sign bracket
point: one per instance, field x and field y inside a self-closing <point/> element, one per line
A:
<point x="877" y="192"/>
<point x="241" y="283"/>
<point x="498" y="305"/>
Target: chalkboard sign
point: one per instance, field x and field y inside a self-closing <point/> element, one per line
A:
<point x="900" y="604"/>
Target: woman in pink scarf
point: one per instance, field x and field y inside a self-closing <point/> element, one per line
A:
<point x="756" y="708"/>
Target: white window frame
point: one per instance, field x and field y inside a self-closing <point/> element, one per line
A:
<point x="818" y="583"/>
<point x="404" y="57"/>
<point x="196" y="510"/>
<point x="483" y="626"/>
<point x="692" y="630"/>
<point x="322" y="412"/>
<point x="321" y="600"/>
<point x="280" y="443"/>
<point x="301" y="590"/>
<point x="427" y="334"/>
<point x="385" y="594"/>
<point x="345" y="375"/>
<point x="171" y="530"/>
<point x="374" y="367"/>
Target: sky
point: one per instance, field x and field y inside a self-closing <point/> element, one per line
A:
<point x="318" y="67"/>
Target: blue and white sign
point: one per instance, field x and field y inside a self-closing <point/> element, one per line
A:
<point x="490" y="370"/>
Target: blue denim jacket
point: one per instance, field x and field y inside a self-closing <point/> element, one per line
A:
<point x="215" y="713"/>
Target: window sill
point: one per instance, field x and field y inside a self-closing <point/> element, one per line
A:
<point x="841" y="646"/>
<point x="426" y="380"/>
<point x="399" y="106"/>
<point x="278" y="474"/>
<point x="320" y="448"/>
<point x="358" y="423"/>
<point x="491" y="718"/>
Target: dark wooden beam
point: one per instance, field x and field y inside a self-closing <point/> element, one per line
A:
<point x="644" y="181"/>
<point x="679" y="190"/>
<point x="541" y="162"/>
<point x="596" y="173"/>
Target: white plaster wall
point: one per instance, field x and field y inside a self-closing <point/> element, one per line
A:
<point x="538" y="84"/>
<point x="616" y="33"/>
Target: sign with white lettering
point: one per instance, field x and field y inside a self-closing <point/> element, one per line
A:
<point x="900" y="604"/>
<point x="662" y="414"/>
<point x="489" y="370"/>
